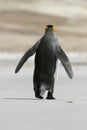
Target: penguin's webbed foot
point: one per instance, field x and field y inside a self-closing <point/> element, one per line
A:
<point x="50" y="96"/>
<point x="37" y="95"/>
<point x="40" y="97"/>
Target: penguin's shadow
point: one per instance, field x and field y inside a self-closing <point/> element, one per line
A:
<point x="21" y="99"/>
<point x="34" y="99"/>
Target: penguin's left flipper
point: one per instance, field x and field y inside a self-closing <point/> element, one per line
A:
<point x="65" y="61"/>
<point x="29" y="53"/>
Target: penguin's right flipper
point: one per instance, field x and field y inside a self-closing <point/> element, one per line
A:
<point x="65" y="61"/>
<point x="29" y="53"/>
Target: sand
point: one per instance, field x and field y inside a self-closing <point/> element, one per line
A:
<point x="21" y="25"/>
<point x="20" y="110"/>
<point x="20" y="28"/>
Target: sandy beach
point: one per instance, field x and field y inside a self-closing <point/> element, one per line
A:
<point x="22" y="23"/>
<point x="20" y="110"/>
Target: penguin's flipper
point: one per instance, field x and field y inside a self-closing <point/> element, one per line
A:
<point x="65" y="61"/>
<point x="29" y="53"/>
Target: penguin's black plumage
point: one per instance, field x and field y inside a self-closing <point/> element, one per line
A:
<point x="47" y="51"/>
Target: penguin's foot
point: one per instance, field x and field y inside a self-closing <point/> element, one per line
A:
<point x="37" y="94"/>
<point x="40" y="97"/>
<point x="50" y="96"/>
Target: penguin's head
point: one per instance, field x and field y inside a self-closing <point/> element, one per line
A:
<point x="50" y="27"/>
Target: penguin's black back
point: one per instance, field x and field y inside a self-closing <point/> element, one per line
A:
<point x="45" y="59"/>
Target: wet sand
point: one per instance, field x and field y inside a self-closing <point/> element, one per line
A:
<point x="20" y="110"/>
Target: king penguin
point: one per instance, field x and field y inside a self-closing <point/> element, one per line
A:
<point x="48" y="51"/>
